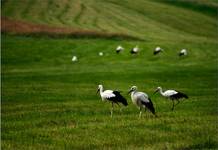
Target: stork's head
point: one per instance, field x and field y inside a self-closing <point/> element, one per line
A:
<point x="137" y="47"/>
<point x="100" y="87"/>
<point x="157" y="90"/>
<point x="133" y="88"/>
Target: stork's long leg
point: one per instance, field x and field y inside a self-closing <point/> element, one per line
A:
<point x="173" y="105"/>
<point x="112" y="108"/>
<point x="140" y="113"/>
<point x="146" y="114"/>
<point x="177" y="103"/>
<point x="119" y="106"/>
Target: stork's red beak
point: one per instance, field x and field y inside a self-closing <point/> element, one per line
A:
<point x="129" y="91"/>
<point x="155" y="91"/>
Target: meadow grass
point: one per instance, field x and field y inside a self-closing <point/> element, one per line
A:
<point x="50" y="102"/>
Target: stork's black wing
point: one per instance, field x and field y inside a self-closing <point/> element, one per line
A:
<point x="119" y="98"/>
<point x="178" y="95"/>
<point x="149" y="105"/>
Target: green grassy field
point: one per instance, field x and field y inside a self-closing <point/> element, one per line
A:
<point x="49" y="102"/>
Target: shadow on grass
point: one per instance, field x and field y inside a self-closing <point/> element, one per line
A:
<point x="209" y="144"/>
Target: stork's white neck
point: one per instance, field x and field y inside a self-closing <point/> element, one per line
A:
<point x="101" y="89"/>
<point x="132" y="93"/>
<point x="161" y="91"/>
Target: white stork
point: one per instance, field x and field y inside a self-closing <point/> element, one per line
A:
<point x="100" y="53"/>
<point x="183" y="52"/>
<point x="74" y="58"/>
<point x="134" y="50"/>
<point x="172" y="95"/>
<point x="141" y="100"/>
<point x="111" y="96"/>
<point x="157" y="50"/>
<point x="119" y="49"/>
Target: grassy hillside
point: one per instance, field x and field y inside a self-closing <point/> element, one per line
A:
<point x="49" y="102"/>
<point x="147" y="19"/>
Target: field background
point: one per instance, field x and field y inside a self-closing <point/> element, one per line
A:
<point x="49" y="102"/>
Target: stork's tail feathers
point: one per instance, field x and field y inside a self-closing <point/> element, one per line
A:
<point x="185" y="96"/>
<point x="178" y="96"/>
<point x="182" y="95"/>
<point x="152" y="109"/>
<point x="150" y="106"/>
<point x="120" y="98"/>
<point x="155" y="52"/>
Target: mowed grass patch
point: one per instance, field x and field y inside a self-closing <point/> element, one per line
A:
<point x="147" y="20"/>
<point x="50" y="102"/>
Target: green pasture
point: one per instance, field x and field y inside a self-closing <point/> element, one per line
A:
<point x="50" y="102"/>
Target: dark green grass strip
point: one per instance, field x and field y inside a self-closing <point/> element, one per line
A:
<point x="78" y="35"/>
<point x="201" y="7"/>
